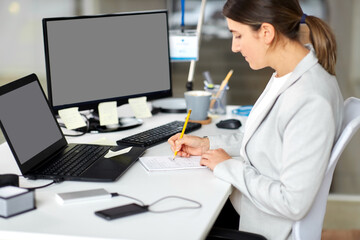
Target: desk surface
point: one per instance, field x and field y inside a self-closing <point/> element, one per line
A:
<point x="77" y="221"/>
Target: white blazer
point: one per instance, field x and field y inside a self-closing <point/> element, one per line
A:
<point x="286" y="151"/>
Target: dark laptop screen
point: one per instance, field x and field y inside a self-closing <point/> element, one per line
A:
<point x="28" y="121"/>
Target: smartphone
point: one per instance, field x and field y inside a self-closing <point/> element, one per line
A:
<point x="121" y="211"/>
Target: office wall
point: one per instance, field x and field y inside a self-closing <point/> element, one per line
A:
<point x="111" y="6"/>
<point x="345" y="21"/>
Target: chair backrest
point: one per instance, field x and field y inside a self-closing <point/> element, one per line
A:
<point x="310" y="227"/>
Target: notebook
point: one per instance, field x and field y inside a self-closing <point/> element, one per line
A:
<point x="39" y="146"/>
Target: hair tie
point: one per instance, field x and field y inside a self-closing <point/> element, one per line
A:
<point x="303" y="18"/>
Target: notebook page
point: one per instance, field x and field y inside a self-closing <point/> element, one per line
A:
<point x="161" y="163"/>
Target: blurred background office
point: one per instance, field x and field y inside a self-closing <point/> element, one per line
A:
<point x="22" y="52"/>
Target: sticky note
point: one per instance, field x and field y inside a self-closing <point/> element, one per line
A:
<point x="108" y="113"/>
<point x="139" y="107"/>
<point x="72" y="118"/>
<point x="111" y="153"/>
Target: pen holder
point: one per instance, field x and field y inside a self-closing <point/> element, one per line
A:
<point x="219" y="103"/>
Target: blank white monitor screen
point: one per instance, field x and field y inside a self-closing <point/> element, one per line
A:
<point x="93" y="59"/>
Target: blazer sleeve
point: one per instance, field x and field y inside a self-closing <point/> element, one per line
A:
<point x="229" y="142"/>
<point x="308" y="136"/>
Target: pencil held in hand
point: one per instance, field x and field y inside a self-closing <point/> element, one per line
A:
<point x="183" y="130"/>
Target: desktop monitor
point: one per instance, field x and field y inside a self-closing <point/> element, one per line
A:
<point x="101" y="58"/>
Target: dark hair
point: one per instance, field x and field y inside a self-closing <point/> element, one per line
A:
<point x="285" y="16"/>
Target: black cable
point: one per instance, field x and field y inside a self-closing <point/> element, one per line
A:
<point x="46" y="185"/>
<point x="122" y="195"/>
<point x="33" y="188"/>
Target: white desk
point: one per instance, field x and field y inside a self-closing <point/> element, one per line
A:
<point x="77" y="221"/>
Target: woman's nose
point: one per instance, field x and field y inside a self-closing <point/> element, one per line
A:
<point x="235" y="47"/>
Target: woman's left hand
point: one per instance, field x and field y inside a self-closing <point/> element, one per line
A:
<point x="211" y="158"/>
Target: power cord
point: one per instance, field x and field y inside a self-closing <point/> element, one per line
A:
<point x="43" y="186"/>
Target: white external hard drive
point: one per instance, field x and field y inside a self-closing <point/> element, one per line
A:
<point x="81" y="196"/>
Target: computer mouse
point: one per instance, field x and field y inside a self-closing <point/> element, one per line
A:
<point x="229" y="124"/>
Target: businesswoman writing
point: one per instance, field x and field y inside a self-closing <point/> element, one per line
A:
<point x="278" y="163"/>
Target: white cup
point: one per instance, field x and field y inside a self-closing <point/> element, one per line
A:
<point x="198" y="102"/>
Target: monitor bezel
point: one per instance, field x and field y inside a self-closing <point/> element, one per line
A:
<point x="93" y="105"/>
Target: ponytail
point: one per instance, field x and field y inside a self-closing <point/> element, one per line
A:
<point x="323" y="40"/>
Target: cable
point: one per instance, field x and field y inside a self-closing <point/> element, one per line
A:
<point x="174" y="209"/>
<point x="161" y="199"/>
<point x="46" y="185"/>
<point x="122" y="195"/>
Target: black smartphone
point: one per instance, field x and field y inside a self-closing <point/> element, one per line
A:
<point x="121" y="211"/>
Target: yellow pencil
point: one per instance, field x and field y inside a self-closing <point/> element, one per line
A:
<point x="222" y="86"/>
<point x="183" y="130"/>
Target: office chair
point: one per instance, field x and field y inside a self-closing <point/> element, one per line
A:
<point x="310" y="227"/>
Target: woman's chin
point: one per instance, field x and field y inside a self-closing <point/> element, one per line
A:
<point x="255" y="67"/>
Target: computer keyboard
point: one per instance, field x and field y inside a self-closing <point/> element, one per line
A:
<point x="158" y="135"/>
<point x="75" y="161"/>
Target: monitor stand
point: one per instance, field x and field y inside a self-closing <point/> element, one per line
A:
<point x="123" y="124"/>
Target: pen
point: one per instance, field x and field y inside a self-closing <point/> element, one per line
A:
<point x="222" y="86"/>
<point x="183" y="130"/>
<point x="207" y="77"/>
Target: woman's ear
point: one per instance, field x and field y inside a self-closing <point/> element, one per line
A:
<point x="267" y="33"/>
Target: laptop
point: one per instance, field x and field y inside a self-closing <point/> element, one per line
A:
<point x="39" y="146"/>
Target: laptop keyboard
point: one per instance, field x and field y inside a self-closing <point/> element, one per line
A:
<point x="159" y="134"/>
<point x="76" y="161"/>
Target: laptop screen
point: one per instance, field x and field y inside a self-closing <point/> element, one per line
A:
<point x="29" y="124"/>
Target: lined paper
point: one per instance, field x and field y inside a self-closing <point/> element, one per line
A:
<point x="163" y="163"/>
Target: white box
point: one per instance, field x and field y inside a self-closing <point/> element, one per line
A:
<point x="15" y="200"/>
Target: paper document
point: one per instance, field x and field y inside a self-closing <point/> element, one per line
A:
<point x="161" y="163"/>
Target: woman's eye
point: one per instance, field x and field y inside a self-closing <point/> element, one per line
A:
<point x="237" y="37"/>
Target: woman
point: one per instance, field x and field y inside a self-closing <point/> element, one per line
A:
<point x="278" y="164"/>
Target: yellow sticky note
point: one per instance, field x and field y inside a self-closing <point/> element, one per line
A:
<point x="108" y="113"/>
<point x="72" y="118"/>
<point x="139" y="107"/>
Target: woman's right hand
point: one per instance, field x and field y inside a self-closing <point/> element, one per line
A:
<point x="189" y="145"/>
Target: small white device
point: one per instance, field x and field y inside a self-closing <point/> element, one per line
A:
<point x="81" y="196"/>
<point x="183" y="45"/>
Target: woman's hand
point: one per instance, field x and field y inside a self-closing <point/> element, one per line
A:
<point x="211" y="158"/>
<point x="189" y="145"/>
